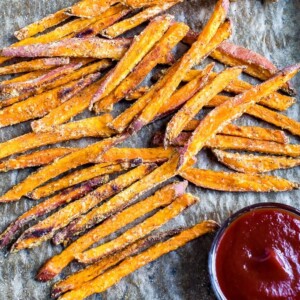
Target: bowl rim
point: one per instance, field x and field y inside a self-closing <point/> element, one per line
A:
<point x="213" y="250"/>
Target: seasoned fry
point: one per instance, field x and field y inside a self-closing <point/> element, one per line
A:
<point x="172" y="37"/>
<point x="137" y="93"/>
<point x="25" y="77"/>
<point x="143" y="3"/>
<point x="200" y="99"/>
<point x="253" y="163"/>
<point x="35" y="159"/>
<point x="139" y="48"/>
<point x="129" y="265"/>
<point x="68" y="162"/>
<point x="73" y="47"/>
<point x="49" y="205"/>
<point x="57" y="263"/>
<point x="230" y="110"/>
<point x="46" y="228"/>
<point x="237" y="182"/>
<point x="129" y="23"/>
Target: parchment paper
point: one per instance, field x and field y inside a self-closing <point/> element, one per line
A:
<point x="270" y="29"/>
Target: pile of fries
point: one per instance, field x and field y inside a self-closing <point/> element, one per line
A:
<point x="70" y="69"/>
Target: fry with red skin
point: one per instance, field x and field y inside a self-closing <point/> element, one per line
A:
<point x="245" y="163"/>
<point x="169" y="40"/>
<point x="141" y="45"/>
<point x="78" y="158"/>
<point x="132" y="22"/>
<point x="236" y="182"/>
<point x="229" y="110"/>
<point x="47" y="206"/>
<point x="46" y="228"/>
<point x="131" y="264"/>
<point x="57" y="263"/>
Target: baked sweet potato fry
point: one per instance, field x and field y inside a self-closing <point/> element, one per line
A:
<point x="46" y="228"/>
<point x="237" y="182"/>
<point x="191" y="108"/>
<point x="137" y="93"/>
<point x="73" y="160"/>
<point x="47" y="206"/>
<point x="144" y="3"/>
<point x="57" y="263"/>
<point x="24" y="77"/>
<point x="230" y="110"/>
<point x="129" y="265"/>
<point x="134" y="21"/>
<point x="172" y="37"/>
<point x="139" y="48"/>
<point x="253" y="163"/>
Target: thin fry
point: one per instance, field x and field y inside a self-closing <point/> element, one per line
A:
<point x="46" y="228"/>
<point x="237" y="182"/>
<point x="253" y="163"/>
<point x="57" y="263"/>
<point x="137" y="93"/>
<point x="143" y="3"/>
<point x="129" y="265"/>
<point x="24" y="77"/>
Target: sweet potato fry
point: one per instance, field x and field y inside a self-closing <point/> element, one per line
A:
<point x="47" y="206"/>
<point x="172" y="37"/>
<point x="57" y="263"/>
<point x="237" y="182"/>
<point x="25" y="77"/>
<point x="200" y="99"/>
<point x="72" y="47"/>
<point x="129" y="265"/>
<point x="253" y="163"/>
<point x="77" y="279"/>
<point x="35" y="159"/>
<point x="230" y="110"/>
<point x="120" y="201"/>
<point x="143" y="16"/>
<point x="139" y="48"/>
<point x="137" y="93"/>
<point x="145" y="3"/>
<point x="68" y="162"/>
<point x="41" y="25"/>
<point x="46" y="228"/>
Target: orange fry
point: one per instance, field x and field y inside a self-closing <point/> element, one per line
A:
<point x="143" y="3"/>
<point x="137" y="93"/>
<point x="25" y="77"/>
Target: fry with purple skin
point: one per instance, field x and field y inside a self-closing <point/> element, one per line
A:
<point x="24" y="77"/>
<point x="57" y="263"/>
<point x="49" y="205"/>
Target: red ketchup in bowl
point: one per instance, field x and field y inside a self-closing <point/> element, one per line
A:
<point x="257" y="255"/>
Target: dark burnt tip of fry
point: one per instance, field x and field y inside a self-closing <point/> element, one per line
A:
<point x="85" y="33"/>
<point x="44" y="275"/>
<point x="158" y="138"/>
<point x="56" y="292"/>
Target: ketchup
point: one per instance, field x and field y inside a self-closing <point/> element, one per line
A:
<point x="258" y="256"/>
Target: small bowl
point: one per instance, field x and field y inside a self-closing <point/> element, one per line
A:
<point x="213" y="251"/>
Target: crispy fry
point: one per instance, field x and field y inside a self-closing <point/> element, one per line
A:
<point x="68" y="162"/>
<point x="172" y="37"/>
<point x="45" y="229"/>
<point x="237" y="182"/>
<point x="143" y="3"/>
<point x="47" y="206"/>
<point x="129" y="265"/>
<point x="137" y="93"/>
<point x="57" y="263"/>
<point x="129" y="23"/>
<point x="230" y="110"/>
<point x="72" y="47"/>
<point x="35" y="159"/>
<point x="253" y="163"/>
<point x="200" y="99"/>
<point x="25" y="77"/>
<point x="139" y="48"/>
<point x="41" y="25"/>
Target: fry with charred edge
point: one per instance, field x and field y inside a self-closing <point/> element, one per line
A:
<point x="47" y="206"/>
<point x="172" y="37"/>
<point x="131" y="264"/>
<point x="129" y="23"/>
<point x="200" y="99"/>
<point x="229" y="110"/>
<point x="137" y="93"/>
<point x="57" y="263"/>
<point x="253" y="163"/>
<point x="35" y="159"/>
<point x="77" y="279"/>
<point x="72" y="47"/>
<point x="73" y="160"/>
<point x="75" y="178"/>
<point x="141" y="45"/>
<point x="139" y="231"/>
<point x="237" y="182"/>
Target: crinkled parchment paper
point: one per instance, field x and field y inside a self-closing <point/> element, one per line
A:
<point x="271" y="29"/>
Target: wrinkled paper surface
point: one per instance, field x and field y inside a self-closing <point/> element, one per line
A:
<point x="270" y="29"/>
